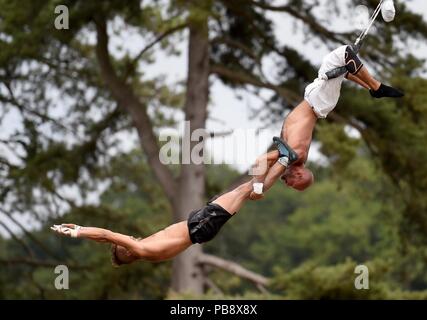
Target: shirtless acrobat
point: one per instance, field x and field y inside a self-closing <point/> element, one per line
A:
<point x="287" y="162"/>
<point x="320" y="98"/>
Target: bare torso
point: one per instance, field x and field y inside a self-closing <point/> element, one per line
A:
<point x="298" y="129"/>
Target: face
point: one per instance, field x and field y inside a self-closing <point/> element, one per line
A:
<point x="298" y="177"/>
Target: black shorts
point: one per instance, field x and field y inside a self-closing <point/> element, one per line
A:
<point x="205" y="223"/>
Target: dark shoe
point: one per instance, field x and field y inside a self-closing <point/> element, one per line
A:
<point x="386" y="91"/>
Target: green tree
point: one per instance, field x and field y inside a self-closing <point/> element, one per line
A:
<point x="72" y="91"/>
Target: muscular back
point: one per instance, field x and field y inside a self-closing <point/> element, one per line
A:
<point x="298" y="129"/>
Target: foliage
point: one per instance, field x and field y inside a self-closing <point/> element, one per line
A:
<point x="368" y="205"/>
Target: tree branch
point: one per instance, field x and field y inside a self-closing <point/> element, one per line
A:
<point x="210" y="284"/>
<point x="162" y="36"/>
<point x="29" y="235"/>
<point x="243" y="48"/>
<point x="236" y="44"/>
<point x="364" y="132"/>
<point x="17" y="239"/>
<point x="307" y="19"/>
<point x="245" y="78"/>
<point x="232" y="267"/>
<point x="126" y="98"/>
<point x="13" y="101"/>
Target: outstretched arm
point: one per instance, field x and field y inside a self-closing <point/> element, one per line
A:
<point x="160" y="246"/>
<point x="99" y="235"/>
<point x="262" y="165"/>
<point x="260" y="171"/>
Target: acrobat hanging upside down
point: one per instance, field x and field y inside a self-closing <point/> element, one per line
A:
<point x="320" y="98"/>
<point x="286" y="162"/>
<point x="202" y="226"/>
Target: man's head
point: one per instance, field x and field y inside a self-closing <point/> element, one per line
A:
<point x="298" y="177"/>
<point x="120" y="255"/>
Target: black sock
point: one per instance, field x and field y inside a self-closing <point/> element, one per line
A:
<point x="386" y="91"/>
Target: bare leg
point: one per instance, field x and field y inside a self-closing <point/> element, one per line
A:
<point x="358" y="81"/>
<point x="368" y="79"/>
<point x="376" y="88"/>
